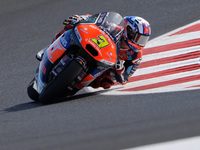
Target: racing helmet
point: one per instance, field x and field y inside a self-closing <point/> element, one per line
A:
<point x="136" y="32"/>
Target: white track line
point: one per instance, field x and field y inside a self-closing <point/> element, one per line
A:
<point x="155" y="42"/>
<point x="170" y="53"/>
<point x="173" y="39"/>
<point x="161" y="79"/>
<point x="166" y="66"/>
<point x="183" y="144"/>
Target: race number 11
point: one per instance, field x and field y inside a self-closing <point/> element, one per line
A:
<point x="101" y="42"/>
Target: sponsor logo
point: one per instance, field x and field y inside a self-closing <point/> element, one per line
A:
<point x="137" y="61"/>
<point x="78" y="34"/>
<point x="63" y="41"/>
<point x="107" y="62"/>
<point x="84" y="30"/>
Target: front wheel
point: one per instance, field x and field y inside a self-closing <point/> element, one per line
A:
<point x="59" y="85"/>
<point x="32" y="93"/>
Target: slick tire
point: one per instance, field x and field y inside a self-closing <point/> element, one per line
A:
<point x="32" y="93"/>
<point x="59" y="86"/>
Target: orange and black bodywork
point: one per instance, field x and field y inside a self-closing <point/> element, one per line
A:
<point x="97" y="43"/>
<point x="91" y="43"/>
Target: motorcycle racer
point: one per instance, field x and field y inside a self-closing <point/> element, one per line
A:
<point x="136" y="33"/>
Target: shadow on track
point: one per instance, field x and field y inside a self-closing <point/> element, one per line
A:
<point x="23" y="106"/>
<point x="82" y="95"/>
<point x="31" y="105"/>
<point x="71" y="98"/>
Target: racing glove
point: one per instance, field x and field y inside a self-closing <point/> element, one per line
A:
<point x="106" y="80"/>
<point x="70" y="22"/>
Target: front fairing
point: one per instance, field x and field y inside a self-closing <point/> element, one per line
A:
<point x="51" y="55"/>
<point x="43" y="69"/>
<point x="99" y="36"/>
<point x="97" y="43"/>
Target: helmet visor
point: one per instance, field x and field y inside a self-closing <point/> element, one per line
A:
<point x="137" y="38"/>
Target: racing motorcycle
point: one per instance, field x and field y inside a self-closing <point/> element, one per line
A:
<point x="77" y="57"/>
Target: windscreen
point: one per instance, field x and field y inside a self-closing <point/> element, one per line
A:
<point x="109" y="22"/>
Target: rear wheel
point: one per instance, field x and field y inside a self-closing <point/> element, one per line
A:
<point x="59" y="85"/>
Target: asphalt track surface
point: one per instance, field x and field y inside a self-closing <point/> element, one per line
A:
<point x="87" y="121"/>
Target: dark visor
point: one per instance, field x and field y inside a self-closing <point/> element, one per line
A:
<point x="137" y="38"/>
